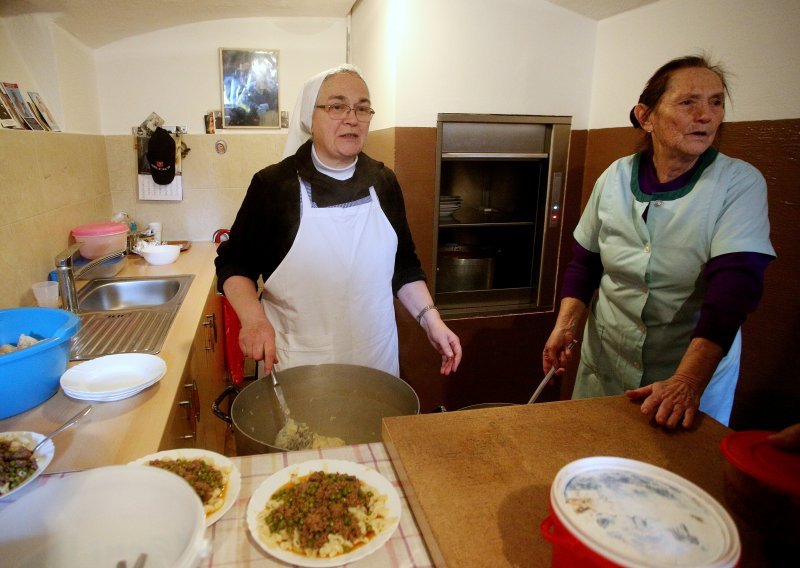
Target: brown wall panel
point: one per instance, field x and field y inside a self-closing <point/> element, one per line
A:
<point x="380" y="146"/>
<point x="768" y="395"/>
<point x="416" y="171"/>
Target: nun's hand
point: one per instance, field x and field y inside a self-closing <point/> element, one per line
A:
<point x="257" y="341"/>
<point x="444" y="341"/>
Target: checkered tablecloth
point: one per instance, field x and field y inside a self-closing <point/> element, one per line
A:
<point x="230" y="539"/>
<point x="232" y="544"/>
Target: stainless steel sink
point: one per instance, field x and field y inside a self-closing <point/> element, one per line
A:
<point x="127" y="315"/>
<point x="128" y="293"/>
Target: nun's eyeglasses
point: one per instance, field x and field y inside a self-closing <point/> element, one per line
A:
<point x="337" y="111"/>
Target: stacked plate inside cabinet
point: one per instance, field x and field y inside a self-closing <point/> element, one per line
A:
<point x="113" y="377"/>
<point x="448" y="204"/>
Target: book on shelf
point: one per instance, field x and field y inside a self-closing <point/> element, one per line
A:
<point x="22" y="108"/>
<point x="13" y="120"/>
<point x="45" y="116"/>
<point x="6" y="119"/>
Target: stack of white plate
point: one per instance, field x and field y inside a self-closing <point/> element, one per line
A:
<point x="113" y="377"/>
<point x="448" y="204"/>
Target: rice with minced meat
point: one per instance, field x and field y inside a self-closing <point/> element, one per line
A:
<point x="322" y="515"/>
<point x="17" y="462"/>
<point x="207" y="479"/>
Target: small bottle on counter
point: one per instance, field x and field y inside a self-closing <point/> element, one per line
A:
<point x="155" y="230"/>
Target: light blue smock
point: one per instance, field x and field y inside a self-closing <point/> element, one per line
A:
<point x="640" y="322"/>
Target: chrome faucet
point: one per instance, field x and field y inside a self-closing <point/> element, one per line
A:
<point x="67" y="274"/>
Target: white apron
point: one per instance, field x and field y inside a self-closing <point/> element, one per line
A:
<point x="330" y="299"/>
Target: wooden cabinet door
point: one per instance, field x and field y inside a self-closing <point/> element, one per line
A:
<point x="207" y="366"/>
<point x="181" y="430"/>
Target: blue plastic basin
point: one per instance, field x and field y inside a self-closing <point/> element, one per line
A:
<point x="31" y="375"/>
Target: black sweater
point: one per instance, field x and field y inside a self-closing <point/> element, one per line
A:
<point x="268" y="220"/>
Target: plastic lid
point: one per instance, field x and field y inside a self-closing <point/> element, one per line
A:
<point x="751" y="452"/>
<point x="636" y="514"/>
<point x="99" y="229"/>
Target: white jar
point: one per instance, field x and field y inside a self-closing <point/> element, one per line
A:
<point x="155" y="230"/>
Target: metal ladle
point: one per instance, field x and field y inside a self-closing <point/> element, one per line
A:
<point x="63" y="427"/>
<point x="304" y="437"/>
<point x="276" y="386"/>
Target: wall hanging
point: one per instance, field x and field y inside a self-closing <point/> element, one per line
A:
<point x="163" y="185"/>
<point x="249" y="83"/>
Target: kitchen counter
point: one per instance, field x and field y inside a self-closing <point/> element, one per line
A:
<point x="478" y="481"/>
<point x="121" y="431"/>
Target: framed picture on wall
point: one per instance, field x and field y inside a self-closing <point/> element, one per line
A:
<point x="249" y="82"/>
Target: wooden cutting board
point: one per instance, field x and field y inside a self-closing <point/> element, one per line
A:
<point x="478" y="481"/>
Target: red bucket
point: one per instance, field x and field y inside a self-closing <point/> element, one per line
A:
<point x="568" y="551"/>
<point x="611" y="512"/>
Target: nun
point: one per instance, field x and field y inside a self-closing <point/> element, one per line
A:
<point x="326" y="231"/>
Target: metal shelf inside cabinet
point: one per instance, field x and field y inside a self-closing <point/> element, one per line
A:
<point x="500" y="300"/>
<point x="452" y="224"/>
<point x="493" y="156"/>
<point x="485" y="217"/>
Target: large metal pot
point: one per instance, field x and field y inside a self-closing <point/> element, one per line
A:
<point x="345" y="401"/>
<point x="463" y="268"/>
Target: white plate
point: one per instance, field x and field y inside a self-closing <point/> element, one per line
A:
<point x="97" y="517"/>
<point x="234" y="477"/>
<point x="280" y="478"/>
<point x="44" y="455"/>
<point x="113" y="374"/>
<point x="109" y="397"/>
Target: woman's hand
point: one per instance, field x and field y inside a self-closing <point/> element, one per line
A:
<point x="256" y="336"/>
<point x="672" y="402"/>
<point x="444" y="341"/>
<point x="415" y="296"/>
<point x="786" y="439"/>
<point x="676" y="400"/>
<point x="558" y="351"/>
<point x="555" y="352"/>
<point x="257" y="341"/>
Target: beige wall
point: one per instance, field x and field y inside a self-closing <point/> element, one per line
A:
<point x="49" y="183"/>
<point x="52" y="182"/>
<point x="213" y="185"/>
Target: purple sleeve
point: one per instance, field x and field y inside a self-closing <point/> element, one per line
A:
<point x="582" y="274"/>
<point x="735" y="285"/>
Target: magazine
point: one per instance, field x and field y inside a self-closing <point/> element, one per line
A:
<point x="22" y="108"/>
<point x="13" y="120"/>
<point x="6" y="120"/>
<point x="47" y="118"/>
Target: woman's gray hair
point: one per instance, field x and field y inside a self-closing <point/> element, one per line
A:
<point x="657" y="85"/>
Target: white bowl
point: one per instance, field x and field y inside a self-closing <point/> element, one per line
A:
<point x="161" y="254"/>
<point x="98" y="517"/>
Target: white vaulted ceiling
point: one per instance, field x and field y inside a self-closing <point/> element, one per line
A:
<point x="96" y="23"/>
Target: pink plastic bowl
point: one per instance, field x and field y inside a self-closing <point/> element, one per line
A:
<point x="98" y="239"/>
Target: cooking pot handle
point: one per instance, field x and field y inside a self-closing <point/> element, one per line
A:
<point x="216" y="407"/>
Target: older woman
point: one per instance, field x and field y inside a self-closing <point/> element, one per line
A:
<point x="326" y="230"/>
<point x="676" y="238"/>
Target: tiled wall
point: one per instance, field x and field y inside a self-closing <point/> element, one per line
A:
<point x="52" y="182"/>
<point x="213" y="184"/>
<point x="49" y="183"/>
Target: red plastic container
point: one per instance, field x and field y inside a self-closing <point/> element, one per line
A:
<point x="568" y="551"/>
<point x="611" y="512"/>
